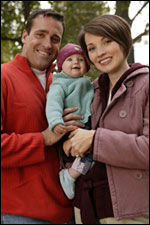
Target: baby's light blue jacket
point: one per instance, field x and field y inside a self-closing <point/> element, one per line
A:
<point x="65" y="92"/>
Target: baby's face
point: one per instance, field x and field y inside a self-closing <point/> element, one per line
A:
<point x="74" y="65"/>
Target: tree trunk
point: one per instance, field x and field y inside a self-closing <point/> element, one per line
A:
<point x="122" y="9"/>
<point x="27" y="6"/>
<point x="131" y="58"/>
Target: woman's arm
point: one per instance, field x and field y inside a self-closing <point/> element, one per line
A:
<point x="79" y="142"/>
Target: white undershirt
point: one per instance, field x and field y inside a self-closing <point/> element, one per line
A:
<point x="41" y="75"/>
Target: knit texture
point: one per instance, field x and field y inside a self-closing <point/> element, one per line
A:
<point x="66" y="92"/>
<point x="67" y="51"/>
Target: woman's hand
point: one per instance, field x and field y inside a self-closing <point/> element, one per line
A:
<point x="69" y="118"/>
<point x="67" y="147"/>
<point x="79" y="142"/>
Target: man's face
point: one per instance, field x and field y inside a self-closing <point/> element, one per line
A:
<point x="41" y="46"/>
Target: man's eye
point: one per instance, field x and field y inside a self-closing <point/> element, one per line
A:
<point x="40" y="35"/>
<point x="55" y="40"/>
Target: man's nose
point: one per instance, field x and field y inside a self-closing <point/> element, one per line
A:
<point x="47" y="43"/>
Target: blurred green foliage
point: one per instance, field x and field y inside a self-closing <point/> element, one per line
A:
<point x="15" y="13"/>
<point x="77" y="13"/>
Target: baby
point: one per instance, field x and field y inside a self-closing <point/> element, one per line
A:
<point x="70" y="88"/>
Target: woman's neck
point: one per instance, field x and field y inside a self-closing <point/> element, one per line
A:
<point x="115" y="76"/>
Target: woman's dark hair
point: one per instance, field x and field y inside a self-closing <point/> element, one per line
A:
<point x="44" y="12"/>
<point x="110" y="26"/>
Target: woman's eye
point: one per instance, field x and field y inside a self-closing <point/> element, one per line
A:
<point x="108" y="41"/>
<point x="91" y="49"/>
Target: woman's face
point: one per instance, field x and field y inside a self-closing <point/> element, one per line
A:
<point x="106" y="54"/>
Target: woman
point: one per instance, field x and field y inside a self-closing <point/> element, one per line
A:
<point x="116" y="189"/>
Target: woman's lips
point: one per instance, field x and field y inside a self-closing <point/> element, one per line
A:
<point x="105" y="61"/>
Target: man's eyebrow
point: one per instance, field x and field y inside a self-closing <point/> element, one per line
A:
<point x="46" y="31"/>
<point x="43" y="31"/>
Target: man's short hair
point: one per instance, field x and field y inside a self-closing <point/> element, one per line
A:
<point x="46" y="13"/>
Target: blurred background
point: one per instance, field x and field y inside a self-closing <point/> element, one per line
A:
<point x="77" y="13"/>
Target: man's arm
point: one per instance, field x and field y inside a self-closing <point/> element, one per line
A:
<point x="50" y="138"/>
<point x="17" y="148"/>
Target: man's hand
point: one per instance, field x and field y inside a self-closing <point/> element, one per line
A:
<point x="51" y="138"/>
<point x="70" y="119"/>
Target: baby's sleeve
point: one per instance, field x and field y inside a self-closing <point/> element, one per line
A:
<point x="55" y="105"/>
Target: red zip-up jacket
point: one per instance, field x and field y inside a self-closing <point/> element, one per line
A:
<point x="30" y="181"/>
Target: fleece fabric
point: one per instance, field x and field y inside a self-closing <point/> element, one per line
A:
<point x="30" y="184"/>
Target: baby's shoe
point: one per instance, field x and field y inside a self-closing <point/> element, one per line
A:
<point x="68" y="183"/>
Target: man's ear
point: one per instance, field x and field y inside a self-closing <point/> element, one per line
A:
<point x="24" y="36"/>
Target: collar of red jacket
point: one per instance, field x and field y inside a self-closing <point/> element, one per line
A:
<point x="23" y="64"/>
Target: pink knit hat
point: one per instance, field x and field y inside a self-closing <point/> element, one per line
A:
<point x="68" y="50"/>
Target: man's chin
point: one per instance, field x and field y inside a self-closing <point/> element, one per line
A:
<point x="43" y="66"/>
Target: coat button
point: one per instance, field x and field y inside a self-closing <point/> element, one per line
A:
<point x="122" y="113"/>
<point x="129" y="83"/>
<point x="138" y="175"/>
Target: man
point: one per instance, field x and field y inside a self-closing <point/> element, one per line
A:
<point x="31" y="192"/>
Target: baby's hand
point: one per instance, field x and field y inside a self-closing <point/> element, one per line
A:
<point x="60" y="129"/>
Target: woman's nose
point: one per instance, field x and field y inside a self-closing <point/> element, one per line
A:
<point x="100" y="51"/>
